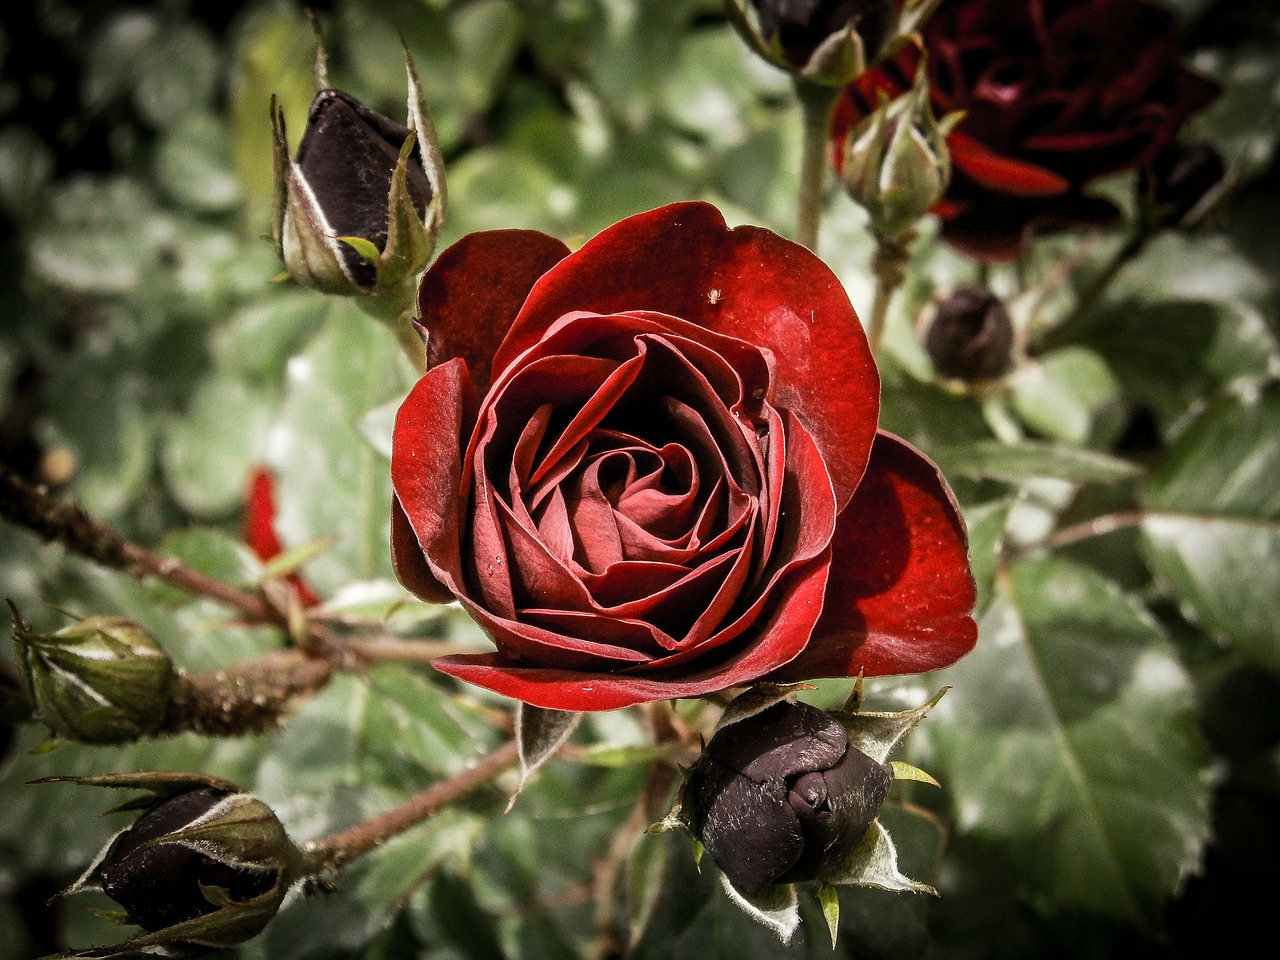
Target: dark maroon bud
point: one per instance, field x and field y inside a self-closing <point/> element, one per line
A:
<point x="801" y="26"/>
<point x="1180" y="178"/>
<point x="782" y="797"/>
<point x="203" y="853"/>
<point x="970" y="337"/>
<point x="347" y="155"/>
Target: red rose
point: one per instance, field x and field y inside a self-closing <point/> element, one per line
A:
<point x="651" y="469"/>
<point x="1056" y="93"/>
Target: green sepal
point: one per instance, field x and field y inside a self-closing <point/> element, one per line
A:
<point x="877" y="734"/>
<point x="906" y="771"/>
<point x="829" y="898"/>
<point x="874" y="863"/>
<point x="777" y="906"/>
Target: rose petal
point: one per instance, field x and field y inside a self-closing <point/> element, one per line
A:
<point x="1003" y="174"/>
<point x="771" y="841"/>
<point x="474" y="290"/>
<point x="901" y="595"/>
<point x="409" y="562"/>
<point x="785" y="628"/>
<point x="748" y="283"/>
<point x="426" y="472"/>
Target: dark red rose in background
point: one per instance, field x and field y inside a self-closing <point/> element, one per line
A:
<point x="651" y="469"/>
<point x="1056" y="93"/>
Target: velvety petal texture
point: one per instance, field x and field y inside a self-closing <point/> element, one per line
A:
<point x="1055" y="94"/>
<point x="631" y="464"/>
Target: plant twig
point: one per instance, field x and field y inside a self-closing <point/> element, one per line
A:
<point x="52" y="520"/>
<point x="1084" y="530"/>
<point x="334" y="851"/>
<point x="68" y="524"/>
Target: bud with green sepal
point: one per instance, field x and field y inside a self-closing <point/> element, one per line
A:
<point x="786" y="793"/>
<point x="204" y="863"/>
<point x="361" y="203"/>
<point x="897" y="164"/>
<point x="102" y="679"/>
<point x="827" y="42"/>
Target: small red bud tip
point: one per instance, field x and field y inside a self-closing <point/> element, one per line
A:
<point x="259" y="529"/>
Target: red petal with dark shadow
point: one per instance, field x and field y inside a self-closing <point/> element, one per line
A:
<point x="901" y="595"/>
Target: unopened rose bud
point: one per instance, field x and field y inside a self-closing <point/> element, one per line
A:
<point x="102" y="679"/>
<point x="820" y="42"/>
<point x="800" y="27"/>
<point x="781" y="796"/>
<point x="1182" y="182"/>
<point x="204" y="863"/>
<point x="896" y="163"/>
<point x="360" y="204"/>
<point x="969" y="335"/>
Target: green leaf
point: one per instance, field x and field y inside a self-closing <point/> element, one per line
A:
<point x="1213" y="536"/>
<point x="986" y="524"/>
<point x="829" y="897"/>
<point x="1015" y="463"/>
<point x="330" y="481"/>
<point x="646" y="873"/>
<point x="209" y="450"/>
<point x="194" y="165"/>
<point x="1070" y="396"/>
<point x="1069" y="741"/>
<point x="1170" y="355"/>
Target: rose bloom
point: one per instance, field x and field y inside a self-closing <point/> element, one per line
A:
<point x="1056" y="93"/>
<point x="651" y="469"/>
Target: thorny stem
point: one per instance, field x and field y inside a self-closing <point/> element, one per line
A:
<point x="29" y="506"/>
<point x="254" y="696"/>
<point x="334" y="851"/>
<point x="251" y="697"/>
<point x="889" y="263"/>
<point x="816" y="104"/>
<point x="32" y="507"/>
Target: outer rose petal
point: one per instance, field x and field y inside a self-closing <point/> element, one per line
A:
<point x="787" y="626"/>
<point x="474" y="290"/>
<point x="426" y="467"/>
<point x="901" y="595"/>
<point x="750" y="283"/>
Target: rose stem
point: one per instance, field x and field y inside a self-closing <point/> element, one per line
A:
<point x="29" y="506"/>
<point x="1085" y="530"/>
<point x="889" y="263"/>
<point x="816" y="104"/>
<point x="337" y="849"/>
<point x="254" y="695"/>
<point x="665" y="727"/>
<point x="1063" y="331"/>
